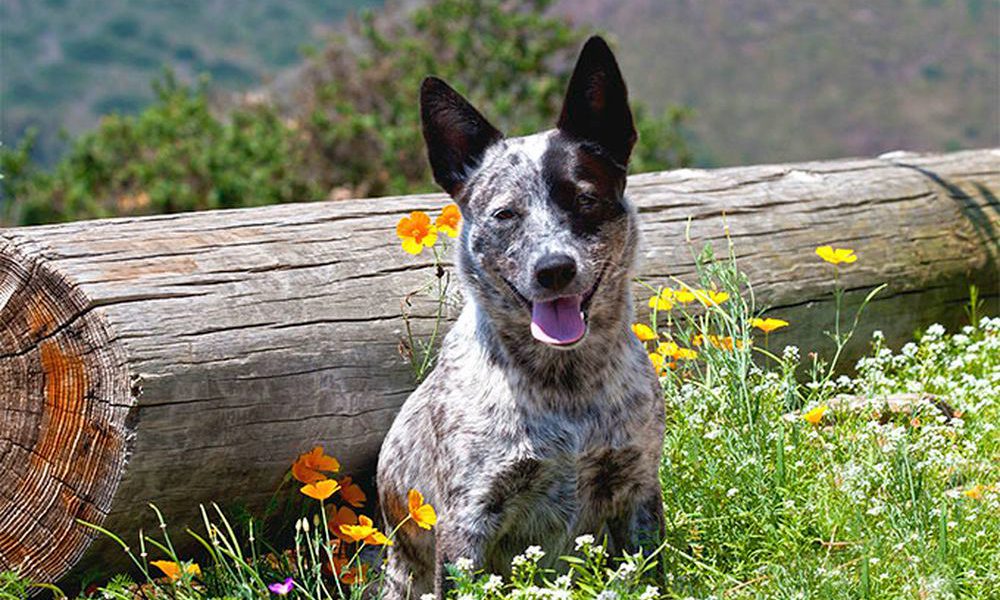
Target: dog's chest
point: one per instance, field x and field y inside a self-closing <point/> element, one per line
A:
<point x="565" y="478"/>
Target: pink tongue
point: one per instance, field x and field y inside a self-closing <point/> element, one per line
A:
<point x="558" y="321"/>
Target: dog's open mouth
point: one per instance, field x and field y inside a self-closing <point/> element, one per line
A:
<point x="558" y="322"/>
<point x="562" y="322"/>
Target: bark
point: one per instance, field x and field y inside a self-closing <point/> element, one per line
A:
<point x="184" y="359"/>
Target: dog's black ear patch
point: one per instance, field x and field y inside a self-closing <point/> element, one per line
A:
<point x="596" y="106"/>
<point x="456" y="134"/>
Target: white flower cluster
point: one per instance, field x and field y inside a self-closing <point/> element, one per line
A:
<point x="531" y="555"/>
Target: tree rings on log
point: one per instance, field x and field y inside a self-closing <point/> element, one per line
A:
<point x="65" y="399"/>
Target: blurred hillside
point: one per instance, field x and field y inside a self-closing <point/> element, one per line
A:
<point x="345" y="123"/>
<point x="773" y="80"/>
<point x="768" y="80"/>
<point x="64" y="63"/>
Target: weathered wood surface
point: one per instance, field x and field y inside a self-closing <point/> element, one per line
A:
<point x="188" y="358"/>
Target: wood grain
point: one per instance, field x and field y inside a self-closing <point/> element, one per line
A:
<point x="183" y="359"/>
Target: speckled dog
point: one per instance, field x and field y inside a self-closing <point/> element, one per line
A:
<point x="543" y="419"/>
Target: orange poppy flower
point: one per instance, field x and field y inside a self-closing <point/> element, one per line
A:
<point x="723" y="343"/>
<point x="355" y="574"/>
<point x="307" y="468"/>
<point x="449" y="220"/>
<point x="173" y="571"/>
<point x="421" y="513"/>
<point x="350" y="576"/>
<point x="341" y="516"/>
<point x="321" y="490"/>
<point x="352" y="493"/>
<point x="365" y="531"/>
<point x="416" y="232"/>
<point x="768" y="325"/>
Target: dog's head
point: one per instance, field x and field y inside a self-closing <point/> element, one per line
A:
<point x="548" y="239"/>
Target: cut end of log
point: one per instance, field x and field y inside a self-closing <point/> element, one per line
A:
<point x="64" y="401"/>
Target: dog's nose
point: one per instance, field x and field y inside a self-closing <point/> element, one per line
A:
<point x="555" y="271"/>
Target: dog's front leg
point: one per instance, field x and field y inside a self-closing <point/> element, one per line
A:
<point x="645" y="529"/>
<point x="465" y="539"/>
<point x="642" y="527"/>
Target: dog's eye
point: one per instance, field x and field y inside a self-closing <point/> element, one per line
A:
<point x="502" y="214"/>
<point x="586" y="201"/>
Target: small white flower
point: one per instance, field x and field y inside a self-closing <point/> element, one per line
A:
<point x="607" y="595"/>
<point x="934" y="331"/>
<point x="493" y="584"/>
<point x="624" y="570"/>
<point x="651" y="593"/>
<point x="790" y="354"/>
<point x="531" y="554"/>
<point x="584" y="541"/>
<point x="464" y="564"/>
<point x="427" y="597"/>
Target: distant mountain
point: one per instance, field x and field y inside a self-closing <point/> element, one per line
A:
<point x="774" y="80"/>
<point x="64" y="63"/>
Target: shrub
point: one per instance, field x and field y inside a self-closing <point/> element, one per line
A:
<point x="352" y="127"/>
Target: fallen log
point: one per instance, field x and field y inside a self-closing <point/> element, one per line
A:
<point x="187" y="358"/>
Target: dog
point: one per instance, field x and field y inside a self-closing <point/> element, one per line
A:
<point x="543" y="419"/>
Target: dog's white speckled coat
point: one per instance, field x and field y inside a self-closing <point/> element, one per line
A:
<point x="515" y="442"/>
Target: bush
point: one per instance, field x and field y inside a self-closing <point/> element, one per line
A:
<point x="352" y="129"/>
<point x="174" y="156"/>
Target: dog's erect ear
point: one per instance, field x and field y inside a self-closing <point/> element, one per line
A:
<point x="596" y="105"/>
<point x="455" y="133"/>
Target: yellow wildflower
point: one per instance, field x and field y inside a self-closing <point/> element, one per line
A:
<point x="663" y="300"/>
<point x="975" y="492"/>
<point x="836" y="256"/>
<point x="667" y="349"/>
<point x="686" y="354"/>
<point x="814" y="416"/>
<point x="657" y="360"/>
<point x="710" y="297"/>
<point x="685" y="296"/>
<point x="643" y="332"/>
<point x="768" y="325"/>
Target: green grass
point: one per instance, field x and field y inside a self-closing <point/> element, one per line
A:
<point x="870" y="501"/>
